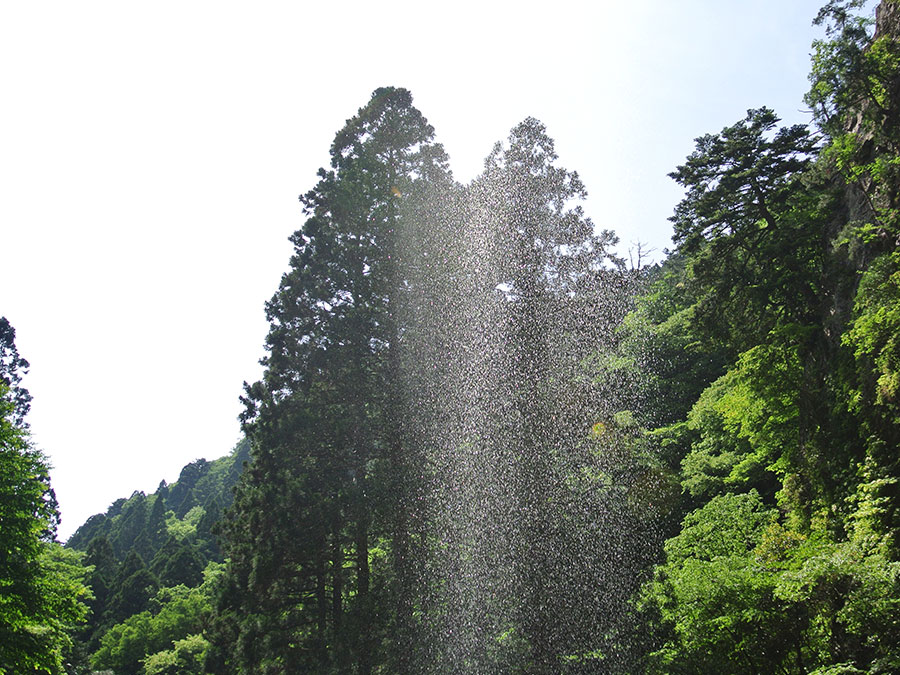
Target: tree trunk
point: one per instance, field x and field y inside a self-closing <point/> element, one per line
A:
<point x="364" y="657"/>
<point x="321" y="607"/>
<point x="337" y="579"/>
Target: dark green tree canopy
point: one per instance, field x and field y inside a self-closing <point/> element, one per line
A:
<point x="40" y="585"/>
<point x="739" y="181"/>
<point x="12" y="368"/>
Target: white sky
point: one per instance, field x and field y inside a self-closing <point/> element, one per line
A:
<point x="151" y="155"/>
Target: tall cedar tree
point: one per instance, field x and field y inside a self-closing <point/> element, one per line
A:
<point x="551" y="258"/>
<point x="308" y="512"/>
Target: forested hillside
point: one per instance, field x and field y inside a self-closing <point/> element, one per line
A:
<point x="484" y="443"/>
<point x="185" y="510"/>
<point x="153" y="560"/>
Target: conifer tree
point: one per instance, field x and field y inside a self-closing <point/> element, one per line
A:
<point x="320" y="419"/>
<point x="12" y="368"/>
<point x="550" y="264"/>
<point x="41" y="586"/>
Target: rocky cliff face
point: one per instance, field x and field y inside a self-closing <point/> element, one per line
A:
<point x="876" y="122"/>
<point x="887" y="19"/>
<point x="888" y="26"/>
<point x="873" y="123"/>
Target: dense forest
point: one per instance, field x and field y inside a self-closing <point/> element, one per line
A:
<point x="484" y="443"/>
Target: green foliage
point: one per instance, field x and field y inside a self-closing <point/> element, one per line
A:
<point x="838" y="85"/>
<point x="185" y="659"/>
<point x="747" y="424"/>
<point x="740" y="591"/>
<point x="716" y="601"/>
<point x="174" y="613"/>
<point x="134" y="585"/>
<point x="102" y="567"/>
<point x="750" y="230"/>
<point x="178" y="563"/>
<point x="42" y="594"/>
<point x="185" y="527"/>
<point x="675" y="360"/>
<point x="874" y="335"/>
<point x="726" y="526"/>
<point x="37" y="626"/>
<point x="789" y="269"/>
<point x="853" y="76"/>
<point x="738" y="181"/>
<point x="12" y="368"/>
